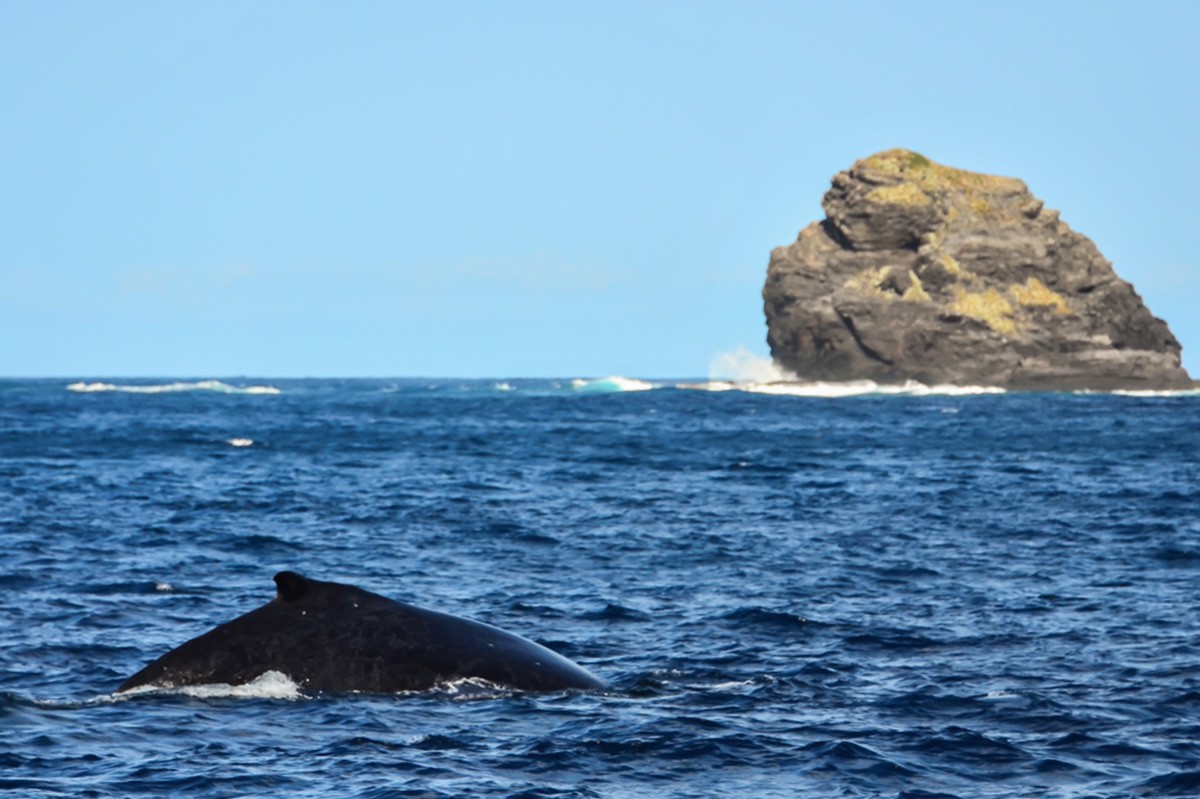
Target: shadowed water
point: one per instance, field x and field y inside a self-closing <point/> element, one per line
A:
<point x="901" y="596"/>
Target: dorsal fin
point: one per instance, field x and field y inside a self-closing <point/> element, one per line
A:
<point x="291" y="586"/>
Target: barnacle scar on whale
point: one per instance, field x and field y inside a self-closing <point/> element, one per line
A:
<point x="339" y="638"/>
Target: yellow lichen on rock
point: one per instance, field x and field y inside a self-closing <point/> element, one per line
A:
<point x="868" y="281"/>
<point x="951" y="265"/>
<point x="916" y="292"/>
<point x="906" y="193"/>
<point x="879" y="283"/>
<point x="1034" y="293"/>
<point x="897" y="161"/>
<point x="989" y="307"/>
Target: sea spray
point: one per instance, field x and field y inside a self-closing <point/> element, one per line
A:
<point x="743" y="366"/>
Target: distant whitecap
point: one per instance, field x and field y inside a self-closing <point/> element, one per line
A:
<point x="610" y="385"/>
<point x="240" y="442"/>
<point x="215" y="386"/>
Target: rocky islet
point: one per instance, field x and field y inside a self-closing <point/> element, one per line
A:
<point x="924" y="272"/>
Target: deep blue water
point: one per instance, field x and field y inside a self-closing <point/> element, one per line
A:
<point x="894" y="596"/>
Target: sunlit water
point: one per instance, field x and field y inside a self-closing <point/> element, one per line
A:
<point x="909" y="595"/>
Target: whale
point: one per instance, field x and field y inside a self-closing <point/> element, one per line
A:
<point x="334" y="638"/>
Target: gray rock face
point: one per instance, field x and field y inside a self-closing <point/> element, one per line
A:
<point x="924" y="272"/>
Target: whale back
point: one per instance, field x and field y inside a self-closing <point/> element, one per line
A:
<point x="337" y="638"/>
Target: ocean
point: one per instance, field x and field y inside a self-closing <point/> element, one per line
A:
<point x="822" y="591"/>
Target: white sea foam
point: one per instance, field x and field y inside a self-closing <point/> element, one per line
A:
<point x="468" y="688"/>
<point x="1003" y="696"/>
<point x="240" y="442"/>
<point x="1139" y="392"/>
<point x="712" y="385"/>
<point x="170" y="388"/>
<point x="742" y="370"/>
<point x="269" y="685"/>
<point x="915" y="389"/>
<point x="851" y="388"/>
<point x="857" y="388"/>
<point x="733" y="685"/>
<point x="609" y="385"/>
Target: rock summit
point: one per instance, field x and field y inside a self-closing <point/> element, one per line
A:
<point x="928" y="273"/>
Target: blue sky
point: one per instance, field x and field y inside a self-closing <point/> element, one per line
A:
<point x="533" y="189"/>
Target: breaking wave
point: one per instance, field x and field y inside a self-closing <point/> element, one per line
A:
<point x="743" y="366"/>
<point x="277" y="685"/>
<point x="170" y="388"/>
<point x="742" y="370"/>
<point x="1145" y="392"/>
<point x="852" y="388"/>
<point x="268" y="685"/>
<point x="857" y="388"/>
<point x="610" y="385"/>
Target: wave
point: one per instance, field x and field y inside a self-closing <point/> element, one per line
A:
<point x="610" y="385"/>
<point x="1146" y="392"/>
<point x="767" y="618"/>
<point x="277" y="685"/>
<point x="743" y="366"/>
<point x="269" y="685"/>
<point x="465" y="689"/>
<point x="171" y="388"/>
<point x="742" y="370"/>
<point x="910" y="388"/>
<point x="852" y="388"/>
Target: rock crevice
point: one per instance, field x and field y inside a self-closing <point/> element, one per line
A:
<point x="924" y="272"/>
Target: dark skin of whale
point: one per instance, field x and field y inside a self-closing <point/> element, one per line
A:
<point x="336" y="638"/>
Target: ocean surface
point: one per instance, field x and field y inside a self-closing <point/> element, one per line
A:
<point x="822" y="591"/>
